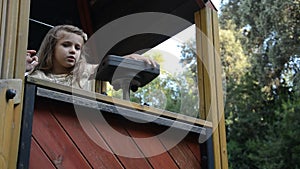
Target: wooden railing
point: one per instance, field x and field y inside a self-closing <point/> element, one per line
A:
<point x="49" y="104"/>
<point x="115" y="101"/>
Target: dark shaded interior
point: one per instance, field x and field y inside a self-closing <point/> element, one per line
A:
<point x="95" y="14"/>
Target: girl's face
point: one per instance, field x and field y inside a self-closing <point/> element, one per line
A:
<point x="66" y="52"/>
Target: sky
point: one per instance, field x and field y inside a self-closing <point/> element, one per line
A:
<point x="170" y="49"/>
<point x="171" y="45"/>
<point x="216" y="3"/>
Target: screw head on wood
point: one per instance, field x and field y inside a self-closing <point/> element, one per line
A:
<point x="10" y="94"/>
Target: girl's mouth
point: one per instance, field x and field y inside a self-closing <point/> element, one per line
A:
<point x="71" y="59"/>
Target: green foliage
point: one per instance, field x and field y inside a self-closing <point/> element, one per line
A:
<point x="189" y="57"/>
<point x="271" y="34"/>
<point x="234" y="61"/>
<point x="163" y="93"/>
<point x="261" y="107"/>
<point x="281" y="148"/>
<point x="259" y="43"/>
<point x="177" y="92"/>
<point x="172" y="92"/>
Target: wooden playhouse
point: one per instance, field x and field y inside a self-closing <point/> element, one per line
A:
<point x="47" y="125"/>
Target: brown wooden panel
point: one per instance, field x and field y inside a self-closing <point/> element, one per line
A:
<point x="97" y="157"/>
<point x="145" y="137"/>
<point x="38" y="158"/>
<point x="119" y="102"/>
<point x="121" y="143"/>
<point x="192" y="143"/>
<point x="54" y="141"/>
<point x="67" y="144"/>
<point x="183" y="156"/>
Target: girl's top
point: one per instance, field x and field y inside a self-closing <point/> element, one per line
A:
<point x="85" y="82"/>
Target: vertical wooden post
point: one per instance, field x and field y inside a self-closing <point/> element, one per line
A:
<point x="26" y="130"/>
<point x="220" y="94"/>
<point x="13" y="38"/>
<point x="6" y="123"/>
<point x="10" y="91"/>
<point x="14" y="17"/>
<point x="210" y="81"/>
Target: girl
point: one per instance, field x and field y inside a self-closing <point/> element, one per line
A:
<point x="62" y="58"/>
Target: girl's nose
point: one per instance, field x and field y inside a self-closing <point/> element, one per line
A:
<point x="72" y="49"/>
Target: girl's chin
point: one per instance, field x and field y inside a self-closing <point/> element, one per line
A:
<point x="70" y="64"/>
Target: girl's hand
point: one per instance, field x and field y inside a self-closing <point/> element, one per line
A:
<point x="31" y="60"/>
<point x="142" y="58"/>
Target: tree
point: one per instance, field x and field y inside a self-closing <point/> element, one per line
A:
<point x="172" y="92"/>
<point x="267" y="96"/>
<point x="260" y="56"/>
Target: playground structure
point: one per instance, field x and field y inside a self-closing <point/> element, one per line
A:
<point x="39" y="124"/>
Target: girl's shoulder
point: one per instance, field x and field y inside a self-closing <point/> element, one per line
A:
<point x="37" y="74"/>
<point x="90" y="68"/>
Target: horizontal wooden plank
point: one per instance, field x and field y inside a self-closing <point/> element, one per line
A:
<point x="69" y="98"/>
<point x="119" y="102"/>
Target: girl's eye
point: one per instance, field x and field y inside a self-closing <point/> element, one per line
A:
<point x="65" y="45"/>
<point x="77" y="47"/>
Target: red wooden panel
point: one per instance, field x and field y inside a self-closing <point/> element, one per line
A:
<point x="145" y="138"/>
<point x="121" y="143"/>
<point x="97" y="157"/>
<point x="38" y="158"/>
<point x="54" y="141"/>
<point x="193" y="144"/>
<point x="68" y="145"/>
<point x="184" y="157"/>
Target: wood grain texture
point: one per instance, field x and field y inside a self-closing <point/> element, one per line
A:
<point x="6" y="127"/>
<point x="55" y="141"/>
<point x="184" y="157"/>
<point x="121" y="143"/>
<point x="208" y="50"/>
<point x="149" y="143"/>
<point x="118" y="102"/>
<point x="38" y="158"/>
<point x="219" y="89"/>
<point x="194" y="146"/>
<point x="88" y="140"/>
<point x="78" y="136"/>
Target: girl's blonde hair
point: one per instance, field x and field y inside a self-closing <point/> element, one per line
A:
<point x="47" y="49"/>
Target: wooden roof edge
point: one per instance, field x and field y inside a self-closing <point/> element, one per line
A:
<point x="119" y="102"/>
<point x="211" y="5"/>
